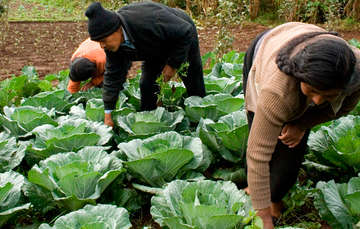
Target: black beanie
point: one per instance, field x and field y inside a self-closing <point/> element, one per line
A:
<point x="81" y="69"/>
<point x="101" y="22"/>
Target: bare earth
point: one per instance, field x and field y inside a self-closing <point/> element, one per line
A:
<point x="49" y="45"/>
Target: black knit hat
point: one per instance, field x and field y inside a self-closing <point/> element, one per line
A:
<point x="81" y="69"/>
<point x="101" y="22"/>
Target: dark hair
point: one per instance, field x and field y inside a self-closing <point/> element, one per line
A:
<point x="81" y="69"/>
<point x="324" y="64"/>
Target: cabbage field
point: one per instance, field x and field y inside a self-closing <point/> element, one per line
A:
<point x="180" y="166"/>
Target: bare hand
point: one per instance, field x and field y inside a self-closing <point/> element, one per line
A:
<point x="108" y="120"/>
<point x="168" y="72"/>
<point x="291" y="135"/>
<point x="265" y="215"/>
<point x="87" y="86"/>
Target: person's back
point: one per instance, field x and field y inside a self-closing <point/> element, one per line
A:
<point x="88" y="61"/>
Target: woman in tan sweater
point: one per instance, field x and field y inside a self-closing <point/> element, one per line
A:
<point x="297" y="76"/>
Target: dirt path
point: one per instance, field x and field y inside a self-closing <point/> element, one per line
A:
<point x="49" y="45"/>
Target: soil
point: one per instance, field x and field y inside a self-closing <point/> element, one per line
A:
<point x="49" y="45"/>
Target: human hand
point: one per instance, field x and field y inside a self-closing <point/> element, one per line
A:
<point x="265" y="215"/>
<point x="108" y="120"/>
<point x="291" y="135"/>
<point x="87" y="86"/>
<point x="168" y="72"/>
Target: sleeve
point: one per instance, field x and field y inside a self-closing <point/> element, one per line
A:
<point x="116" y="69"/>
<point x="73" y="87"/>
<point x="179" y="33"/>
<point x="320" y="114"/>
<point x="270" y="115"/>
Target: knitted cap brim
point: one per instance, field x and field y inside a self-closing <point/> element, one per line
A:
<point x="109" y="32"/>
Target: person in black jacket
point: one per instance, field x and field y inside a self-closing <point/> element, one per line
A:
<point x="162" y="37"/>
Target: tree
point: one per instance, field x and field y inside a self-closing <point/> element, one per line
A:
<point x="352" y="9"/>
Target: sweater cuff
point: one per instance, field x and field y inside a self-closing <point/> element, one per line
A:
<point x="73" y="86"/>
<point x="109" y="105"/>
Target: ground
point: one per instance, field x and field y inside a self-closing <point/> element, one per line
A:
<point x="49" y="45"/>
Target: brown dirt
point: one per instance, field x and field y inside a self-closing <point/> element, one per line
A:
<point x="49" y="45"/>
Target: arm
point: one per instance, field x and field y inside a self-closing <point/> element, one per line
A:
<point x="116" y="69"/>
<point x="73" y="87"/>
<point x="270" y="115"/>
<point x="94" y="82"/>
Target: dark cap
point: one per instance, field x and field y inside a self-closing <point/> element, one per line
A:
<point x="81" y="69"/>
<point x="101" y="22"/>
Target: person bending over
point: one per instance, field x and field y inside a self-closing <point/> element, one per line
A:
<point x="162" y="37"/>
<point x="88" y="61"/>
<point x="296" y="75"/>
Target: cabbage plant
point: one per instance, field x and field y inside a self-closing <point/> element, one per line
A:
<point x="19" y="121"/>
<point x="338" y="144"/>
<point x="339" y="204"/>
<point x="132" y="91"/>
<point x="94" y="109"/>
<point x="59" y="100"/>
<point x="101" y="216"/>
<point x="12" y="199"/>
<point x="202" y="205"/>
<point x="228" y="136"/>
<point x="211" y="106"/>
<point x="11" y="152"/>
<point x="72" y="134"/>
<point x="160" y="158"/>
<point x="215" y="85"/>
<point x="230" y="66"/>
<point x="148" y="123"/>
<point x="75" y="179"/>
<point x="171" y="94"/>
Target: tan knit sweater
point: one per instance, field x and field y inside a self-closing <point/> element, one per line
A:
<point x="276" y="99"/>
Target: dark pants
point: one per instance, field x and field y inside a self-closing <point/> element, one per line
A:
<point x="285" y="162"/>
<point x="193" y="81"/>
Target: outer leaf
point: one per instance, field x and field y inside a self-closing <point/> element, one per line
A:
<point x="11" y="153"/>
<point x="11" y="196"/>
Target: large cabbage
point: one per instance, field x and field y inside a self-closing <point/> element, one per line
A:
<point x="101" y="216"/>
<point x="228" y="136"/>
<point x="147" y="123"/>
<point x="161" y="158"/>
<point x="211" y="106"/>
<point x="201" y="205"/>
<point x="75" y="179"/>
<point x="337" y="145"/>
<point x="339" y="204"/>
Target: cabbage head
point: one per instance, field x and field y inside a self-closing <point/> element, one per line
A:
<point x="75" y="179"/>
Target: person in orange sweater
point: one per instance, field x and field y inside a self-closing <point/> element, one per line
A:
<point x="296" y="76"/>
<point x="88" y="61"/>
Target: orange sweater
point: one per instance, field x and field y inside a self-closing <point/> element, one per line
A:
<point x="274" y="97"/>
<point x="91" y="50"/>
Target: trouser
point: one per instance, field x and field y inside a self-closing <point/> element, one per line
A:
<point x="285" y="162"/>
<point x="152" y="69"/>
